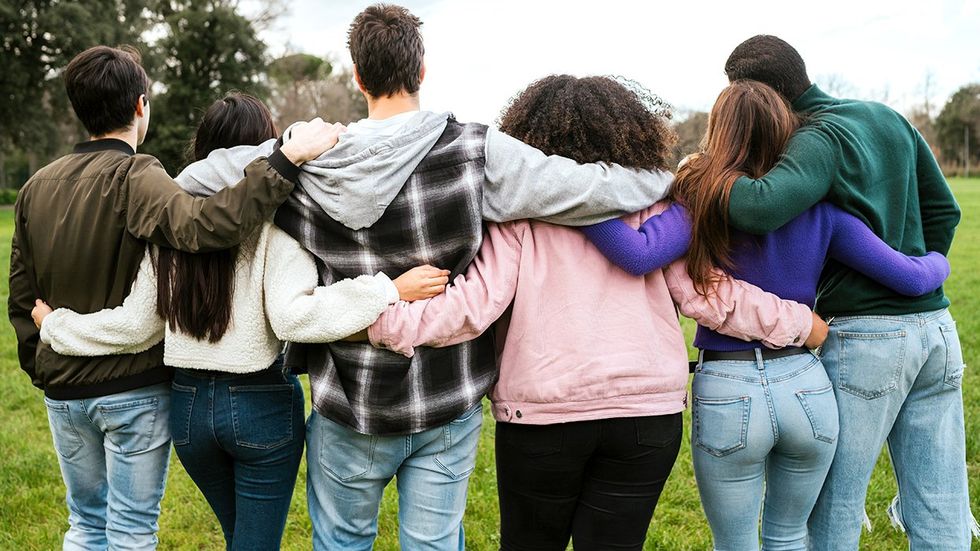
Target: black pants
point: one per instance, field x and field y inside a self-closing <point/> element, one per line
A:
<point x="597" y="482"/>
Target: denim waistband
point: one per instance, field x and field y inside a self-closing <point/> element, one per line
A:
<point x="775" y="369"/>
<point x="276" y="367"/>
<point x="919" y="318"/>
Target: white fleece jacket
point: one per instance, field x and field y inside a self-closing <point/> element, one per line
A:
<point x="276" y="299"/>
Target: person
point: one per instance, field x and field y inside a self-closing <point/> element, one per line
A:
<point x="895" y="361"/>
<point x="593" y="363"/>
<point x="764" y="420"/>
<point x="81" y="225"/>
<point x="406" y="187"/>
<point x="225" y="315"/>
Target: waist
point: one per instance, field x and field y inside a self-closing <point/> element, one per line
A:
<point x="751" y="355"/>
<point x="277" y="367"/>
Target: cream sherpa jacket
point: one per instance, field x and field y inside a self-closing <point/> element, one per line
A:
<point x="276" y="299"/>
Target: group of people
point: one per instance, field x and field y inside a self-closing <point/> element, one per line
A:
<point x="542" y="264"/>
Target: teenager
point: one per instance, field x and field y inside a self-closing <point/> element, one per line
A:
<point x="895" y="361"/>
<point x="237" y="414"/>
<point x="80" y="231"/>
<point x="406" y="187"/>
<point x="593" y="364"/>
<point x="765" y="421"/>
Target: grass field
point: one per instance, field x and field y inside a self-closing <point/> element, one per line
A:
<point x="33" y="514"/>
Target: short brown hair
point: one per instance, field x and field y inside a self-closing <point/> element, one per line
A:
<point x="386" y="47"/>
<point x="103" y="85"/>
<point x="593" y="119"/>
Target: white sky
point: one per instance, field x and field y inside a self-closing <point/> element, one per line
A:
<point x="480" y="53"/>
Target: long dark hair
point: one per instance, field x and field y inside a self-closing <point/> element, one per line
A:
<point x="194" y="291"/>
<point x="748" y="129"/>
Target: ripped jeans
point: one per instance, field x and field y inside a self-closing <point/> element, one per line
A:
<point x="897" y="380"/>
<point x="763" y="436"/>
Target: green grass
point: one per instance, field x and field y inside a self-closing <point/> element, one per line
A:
<point x="33" y="514"/>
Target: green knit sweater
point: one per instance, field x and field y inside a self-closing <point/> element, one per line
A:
<point x="867" y="159"/>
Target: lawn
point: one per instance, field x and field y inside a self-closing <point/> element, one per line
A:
<point x="33" y="514"/>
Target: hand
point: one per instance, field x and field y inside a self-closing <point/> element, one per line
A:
<point x="818" y="334"/>
<point x="40" y="311"/>
<point x="421" y="283"/>
<point x="311" y="139"/>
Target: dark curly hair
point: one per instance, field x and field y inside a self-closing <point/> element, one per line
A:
<point x="593" y="119"/>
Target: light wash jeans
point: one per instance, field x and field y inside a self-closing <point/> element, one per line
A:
<point x="348" y="472"/>
<point x="764" y="433"/>
<point x="113" y="451"/>
<point x="897" y="379"/>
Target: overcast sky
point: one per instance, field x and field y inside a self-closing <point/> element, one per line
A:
<point x="480" y="53"/>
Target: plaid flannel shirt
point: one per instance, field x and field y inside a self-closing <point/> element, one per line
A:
<point x="436" y="219"/>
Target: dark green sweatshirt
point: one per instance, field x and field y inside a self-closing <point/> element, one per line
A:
<point x="80" y="231"/>
<point x="868" y="160"/>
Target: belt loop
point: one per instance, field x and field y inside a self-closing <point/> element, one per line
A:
<point x="760" y="362"/>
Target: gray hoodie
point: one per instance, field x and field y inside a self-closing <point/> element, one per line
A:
<point x="356" y="180"/>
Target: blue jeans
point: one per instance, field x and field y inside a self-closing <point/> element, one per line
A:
<point x="764" y="436"/>
<point x="240" y="438"/>
<point x="113" y="451"/>
<point x="897" y="379"/>
<point x="347" y="473"/>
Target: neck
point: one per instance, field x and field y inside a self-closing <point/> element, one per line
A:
<point x="129" y="136"/>
<point x="383" y="108"/>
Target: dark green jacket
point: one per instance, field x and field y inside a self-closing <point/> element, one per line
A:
<point x="867" y="159"/>
<point x="81" y="228"/>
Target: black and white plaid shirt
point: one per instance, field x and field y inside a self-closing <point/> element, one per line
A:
<point x="436" y="219"/>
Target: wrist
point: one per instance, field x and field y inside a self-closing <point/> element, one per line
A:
<point x="294" y="153"/>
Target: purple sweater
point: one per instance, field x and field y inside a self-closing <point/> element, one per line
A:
<point x="786" y="262"/>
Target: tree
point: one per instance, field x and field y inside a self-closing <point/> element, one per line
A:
<point x="208" y="50"/>
<point x="958" y="124"/>
<point x="306" y="86"/>
<point x="690" y="132"/>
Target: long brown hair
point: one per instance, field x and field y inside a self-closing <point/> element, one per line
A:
<point x="194" y="291"/>
<point x="748" y="129"/>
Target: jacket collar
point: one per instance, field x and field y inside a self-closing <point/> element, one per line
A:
<point x="811" y="99"/>
<point x="108" y="144"/>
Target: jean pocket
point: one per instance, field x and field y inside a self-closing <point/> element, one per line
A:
<point x="461" y="437"/>
<point x="721" y="425"/>
<point x="659" y="431"/>
<point x="870" y="364"/>
<point x="345" y="454"/>
<point x="262" y="415"/>
<point x="820" y="407"/>
<point x="181" y="405"/>
<point x="130" y="425"/>
<point x="67" y="441"/>
<point x="954" y="355"/>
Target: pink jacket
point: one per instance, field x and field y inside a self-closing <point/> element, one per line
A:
<point x="584" y="339"/>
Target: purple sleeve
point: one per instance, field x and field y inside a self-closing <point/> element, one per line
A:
<point x="662" y="239"/>
<point x="856" y="246"/>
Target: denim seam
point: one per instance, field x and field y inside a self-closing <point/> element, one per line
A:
<point x="728" y="376"/>
<point x="787" y="376"/>
<point x="767" y="393"/>
<point x="190" y="408"/>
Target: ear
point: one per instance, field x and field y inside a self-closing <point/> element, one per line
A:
<point x="357" y="79"/>
<point x="141" y="105"/>
<point x="422" y="72"/>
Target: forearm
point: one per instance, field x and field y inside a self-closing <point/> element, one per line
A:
<point x="104" y="333"/>
<point x="160" y="212"/>
<point x="660" y="240"/>
<point x="523" y="183"/>
<point x="740" y="310"/>
<point x="329" y="313"/>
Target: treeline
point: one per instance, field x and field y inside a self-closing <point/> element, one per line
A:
<point x="193" y="50"/>
<point x="952" y="131"/>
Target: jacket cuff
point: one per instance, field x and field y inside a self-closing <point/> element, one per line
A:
<point x="284" y="166"/>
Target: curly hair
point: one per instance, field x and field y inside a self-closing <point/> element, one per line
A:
<point x="593" y="119"/>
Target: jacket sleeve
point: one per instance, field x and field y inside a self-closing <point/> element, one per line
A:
<point x="21" y="299"/>
<point x="937" y="205"/>
<point x="660" y="240"/>
<point x="300" y="311"/>
<point x="130" y="328"/>
<point x="800" y="179"/>
<point x="159" y="211"/>
<point x="741" y="310"/>
<point x="468" y="307"/>
<point x="522" y="182"/>
<point x="856" y="246"/>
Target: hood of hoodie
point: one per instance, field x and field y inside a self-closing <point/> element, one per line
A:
<point x="356" y="180"/>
